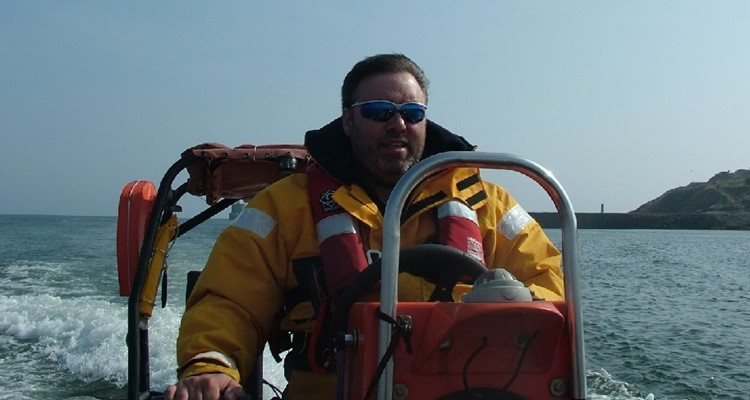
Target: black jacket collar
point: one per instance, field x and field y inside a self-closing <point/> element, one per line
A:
<point x="331" y="149"/>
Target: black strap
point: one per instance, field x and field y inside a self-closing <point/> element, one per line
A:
<point x="401" y="329"/>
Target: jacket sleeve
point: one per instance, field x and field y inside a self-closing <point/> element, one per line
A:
<point x="231" y="310"/>
<point x="515" y="241"/>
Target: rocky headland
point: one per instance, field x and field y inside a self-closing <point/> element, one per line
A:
<point x="723" y="202"/>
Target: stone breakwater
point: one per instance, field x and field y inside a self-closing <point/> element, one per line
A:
<point x="702" y="221"/>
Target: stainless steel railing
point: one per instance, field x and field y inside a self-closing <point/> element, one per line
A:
<point x="392" y="237"/>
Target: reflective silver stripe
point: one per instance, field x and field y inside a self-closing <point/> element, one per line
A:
<point x="334" y="225"/>
<point x="455" y="208"/>
<point x="255" y="221"/>
<point x="513" y="222"/>
<point x="216" y="356"/>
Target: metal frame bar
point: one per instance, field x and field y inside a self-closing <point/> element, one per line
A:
<point x="137" y="338"/>
<point x="392" y="237"/>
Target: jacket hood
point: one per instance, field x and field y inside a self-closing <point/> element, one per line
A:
<point x="331" y="148"/>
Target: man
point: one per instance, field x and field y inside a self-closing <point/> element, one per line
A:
<point x="266" y="256"/>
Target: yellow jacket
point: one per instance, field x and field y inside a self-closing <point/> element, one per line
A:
<point x="240" y="295"/>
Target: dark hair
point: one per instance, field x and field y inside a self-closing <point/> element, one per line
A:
<point x="380" y="64"/>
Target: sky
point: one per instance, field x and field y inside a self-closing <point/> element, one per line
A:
<point x="621" y="100"/>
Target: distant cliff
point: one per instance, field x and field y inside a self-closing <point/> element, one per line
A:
<point x="721" y="203"/>
<point x="725" y="192"/>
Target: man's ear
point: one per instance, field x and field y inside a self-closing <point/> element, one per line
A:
<point x="347" y="120"/>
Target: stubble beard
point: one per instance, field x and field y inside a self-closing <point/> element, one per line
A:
<point x="385" y="172"/>
<point x="391" y="170"/>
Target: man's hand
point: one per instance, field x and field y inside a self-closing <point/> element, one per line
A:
<point x="205" y="387"/>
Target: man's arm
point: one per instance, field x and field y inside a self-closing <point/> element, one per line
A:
<point x="240" y="292"/>
<point x="231" y="309"/>
<point x="516" y="242"/>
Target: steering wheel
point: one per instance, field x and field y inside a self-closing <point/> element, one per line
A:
<point x="440" y="264"/>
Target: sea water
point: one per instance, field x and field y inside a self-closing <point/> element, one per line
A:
<point x="665" y="312"/>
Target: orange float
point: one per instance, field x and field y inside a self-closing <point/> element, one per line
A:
<point x="136" y="201"/>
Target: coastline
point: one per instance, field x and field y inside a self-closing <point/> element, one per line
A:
<point x="702" y="221"/>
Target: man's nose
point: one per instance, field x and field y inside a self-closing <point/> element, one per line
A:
<point x="397" y="122"/>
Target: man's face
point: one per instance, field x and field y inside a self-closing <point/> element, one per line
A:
<point x="386" y="149"/>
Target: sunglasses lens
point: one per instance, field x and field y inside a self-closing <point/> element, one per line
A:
<point x="413" y="112"/>
<point x="378" y="111"/>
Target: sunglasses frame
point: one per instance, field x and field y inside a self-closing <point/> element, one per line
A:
<point x="391" y="112"/>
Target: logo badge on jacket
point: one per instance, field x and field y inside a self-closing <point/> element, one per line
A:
<point x="326" y="201"/>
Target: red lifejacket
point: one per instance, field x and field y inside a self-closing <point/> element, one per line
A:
<point x="344" y="255"/>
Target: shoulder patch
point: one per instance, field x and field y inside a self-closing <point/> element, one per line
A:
<point x="255" y="221"/>
<point x="327" y="204"/>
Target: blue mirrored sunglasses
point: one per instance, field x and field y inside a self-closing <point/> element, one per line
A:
<point x="383" y="110"/>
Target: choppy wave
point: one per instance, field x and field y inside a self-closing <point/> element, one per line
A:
<point x="602" y="386"/>
<point x="80" y="338"/>
<point x="77" y="342"/>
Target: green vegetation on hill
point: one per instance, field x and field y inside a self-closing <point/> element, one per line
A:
<point x="725" y="192"/>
